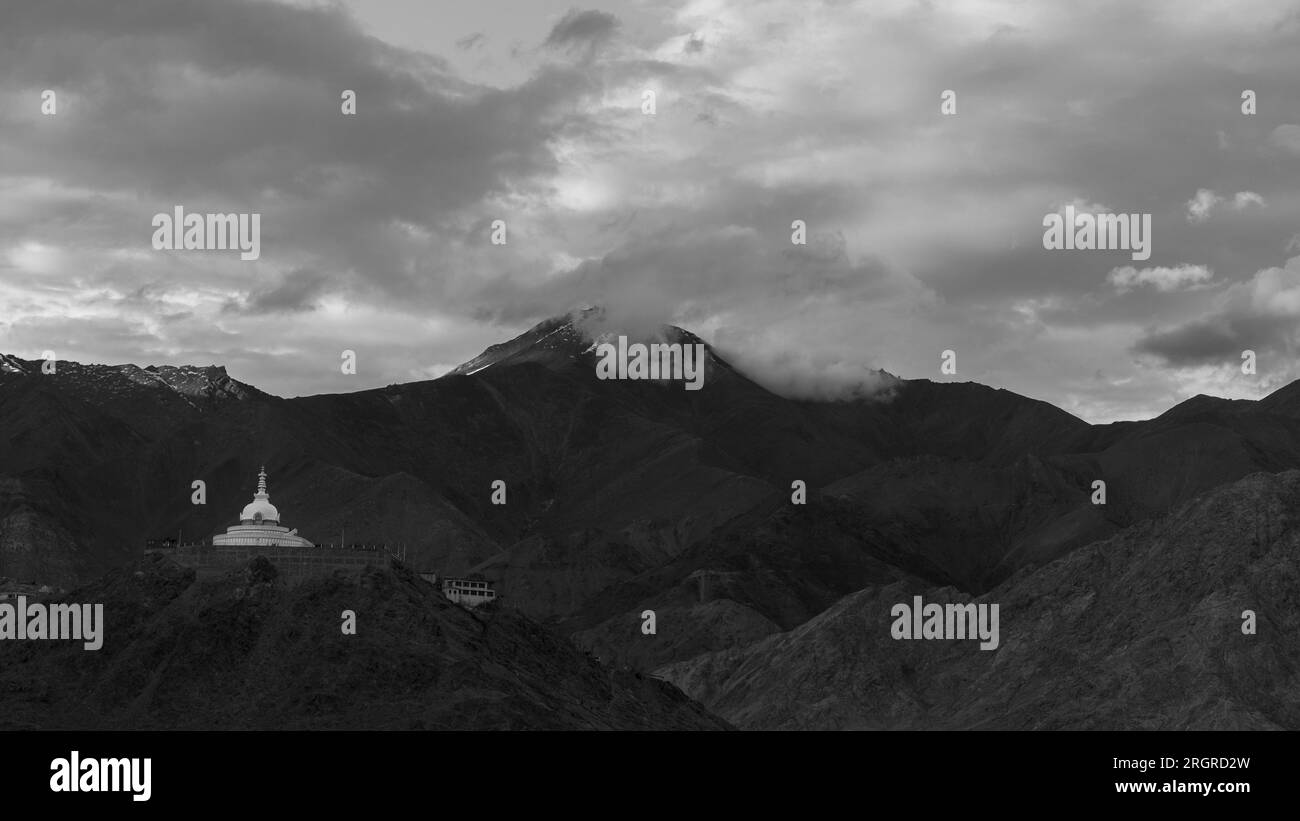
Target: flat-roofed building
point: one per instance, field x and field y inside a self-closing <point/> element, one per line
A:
<point x="469" y="592"/>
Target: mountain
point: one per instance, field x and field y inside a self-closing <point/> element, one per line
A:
<point x="1139" y="631"/>
<point x="622" y="496"/>
<point x="554" y="341"/>
<point x="246" y="652"/>
<point x="1285" y="401"/>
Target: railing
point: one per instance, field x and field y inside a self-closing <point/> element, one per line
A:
<point x="372" y="547"/>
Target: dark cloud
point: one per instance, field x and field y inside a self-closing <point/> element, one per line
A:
<point x="299" y="290"/>
<point x="924" y="230"/>
<point x="1200" y="342"/>
<point x="581" y="29"/>
<point x="238" y="109"/>
<point x="1261" y="314"/>
<point x="1221" y="340"/>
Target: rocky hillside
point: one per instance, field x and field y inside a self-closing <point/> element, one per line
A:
<point x="1139" y="631"/>
<point x="245" y="652"/>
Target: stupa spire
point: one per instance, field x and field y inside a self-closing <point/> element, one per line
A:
<point x="261" y="482"/>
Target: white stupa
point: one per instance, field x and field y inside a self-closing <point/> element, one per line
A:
<point x="259" y="524"/>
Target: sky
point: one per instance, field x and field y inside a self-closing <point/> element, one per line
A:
<point x="924" y="228"/>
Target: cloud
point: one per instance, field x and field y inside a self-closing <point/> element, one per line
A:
<point x="299" y="290"/>
<point x="472" y="41"/>
<point x="170" y="117"/>
<point x="1198" y="342"/>
<point x="1162" y="279"/>
<point x="1205" y="201"/>
<point x="1082" y="206"/>
<point x="1261" y="314"/>
<point x="583" y="29"/>
<point x="798" y="374"/>
<point x="1244" y="198"/>
<point x="1198" y="207"/>
<point x="924" y="229"/>
<point x="1286" y="137"/>
<point x="1276" y="291"/>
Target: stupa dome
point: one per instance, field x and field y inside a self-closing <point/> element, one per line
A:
<point x="260" y="509"/>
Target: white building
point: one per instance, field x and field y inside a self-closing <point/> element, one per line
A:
<point x="259" y="524"/>
<point x="469" y="592"/>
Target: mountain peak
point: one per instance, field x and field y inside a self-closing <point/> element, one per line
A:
<point x="210" y="382"/>
<point x="551" y="339"/>
<point x="562" y="340"/>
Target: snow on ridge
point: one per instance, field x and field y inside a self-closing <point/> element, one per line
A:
<point x="184" y="380"/>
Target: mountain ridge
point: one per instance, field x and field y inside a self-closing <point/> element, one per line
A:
<point x="733" y="512"/>
<point x="525" y="347"/>
<point x="620" y="477"/>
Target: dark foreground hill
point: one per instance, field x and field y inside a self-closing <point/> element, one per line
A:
<point x="1139" y="631"/>
<point x="246" y="652"/>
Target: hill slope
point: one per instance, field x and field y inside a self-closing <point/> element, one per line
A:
<point x="1139" y="631"/>
<point x="245" y="652"/>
